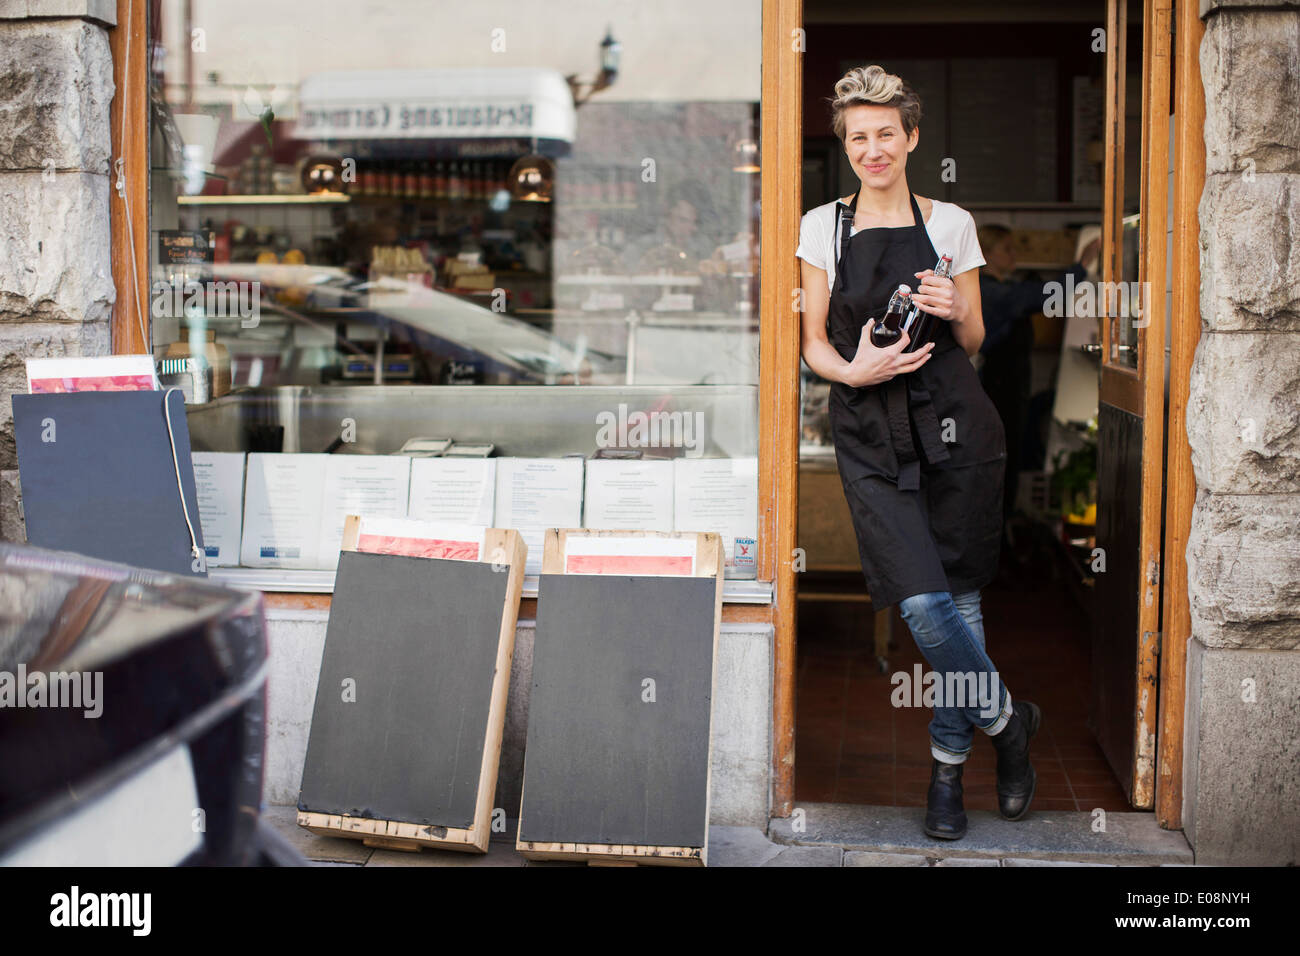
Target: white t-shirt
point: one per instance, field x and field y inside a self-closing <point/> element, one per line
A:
<point x="951" y="230"/>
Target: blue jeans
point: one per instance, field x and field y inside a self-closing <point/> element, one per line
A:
<point x="949" y="632"/>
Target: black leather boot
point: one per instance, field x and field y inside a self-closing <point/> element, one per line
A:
<point x="945" y="817"/>
<point x="1016" y="778"/>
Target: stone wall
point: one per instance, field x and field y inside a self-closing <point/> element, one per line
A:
<point x="56" y="280"/>
<point x="1242" y="727"/>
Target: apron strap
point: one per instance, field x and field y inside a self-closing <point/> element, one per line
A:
<point x="927" y="422"/>
<point x="847" y="215"/>
<point x="918" y="397"/>
<point x="900" y="434"/>
<point x="916" y="210"/>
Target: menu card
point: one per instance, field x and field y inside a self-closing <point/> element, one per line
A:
<point x="534" y="494"/>
<point x="632" y="495"/>
<point x="453" y="490"/>
<point x="282" y="510"/>
<point x="719" y="494"/>
<point x="219" y="484"/>
<point x="373" y="486"/>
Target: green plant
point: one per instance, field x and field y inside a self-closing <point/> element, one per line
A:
<point x="1074" y="480"/>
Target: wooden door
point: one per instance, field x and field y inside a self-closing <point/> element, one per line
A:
<point x="1131" y="412"/>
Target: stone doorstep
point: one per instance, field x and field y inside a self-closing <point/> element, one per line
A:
<point x="1131" y="839"/>
<point x="750" y="847"/>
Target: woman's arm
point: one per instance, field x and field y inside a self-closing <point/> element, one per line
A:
<point x="956" y="301"/>
<point x="870" y="366"/>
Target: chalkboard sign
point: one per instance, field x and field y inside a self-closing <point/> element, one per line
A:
<point x="99" y="477"/>
<point x="617" y="761"/>
<point x="410" y="705"/>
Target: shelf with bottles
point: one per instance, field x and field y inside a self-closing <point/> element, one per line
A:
<point x="412" y="180"/>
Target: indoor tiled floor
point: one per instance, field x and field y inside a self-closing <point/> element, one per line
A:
<point x="853" y="746"/>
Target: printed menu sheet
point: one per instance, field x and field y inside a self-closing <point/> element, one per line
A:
<point x="373" y="486"/>
<point x="219" y="484"/>
<point x="719" y="494"/>
<point x="453" y="490"/>
<point x="534" y="494"/>
<point x="629" y="495"/>
<point x="282" y="510"/>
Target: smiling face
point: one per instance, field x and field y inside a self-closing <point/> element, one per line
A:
<point x="875" y="144"/>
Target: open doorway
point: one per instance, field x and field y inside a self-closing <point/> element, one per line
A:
<point x="1014" y="105"/>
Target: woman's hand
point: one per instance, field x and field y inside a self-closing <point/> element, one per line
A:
<point x="871" y="365"/>
<point x="939" y="297"/>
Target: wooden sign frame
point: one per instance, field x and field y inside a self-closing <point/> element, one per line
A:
<point x="501" y="546"/>
<point x="709" y="557"/>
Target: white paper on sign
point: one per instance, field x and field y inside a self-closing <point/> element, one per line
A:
<point x="423" y="539"/>
<point x="628" y="554"/>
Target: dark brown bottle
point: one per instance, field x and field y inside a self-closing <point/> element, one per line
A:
<point x="920" y="325"/>
<point x="887" y="331"/>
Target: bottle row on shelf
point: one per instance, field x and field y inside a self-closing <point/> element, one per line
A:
<point x="428" y="179"/>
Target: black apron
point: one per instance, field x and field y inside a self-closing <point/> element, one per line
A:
<point x="921" y="456"/>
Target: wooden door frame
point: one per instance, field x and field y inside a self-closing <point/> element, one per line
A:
<point x="129" y="143"/>
<point x="1180" y="480"/>
<point x="781" y="132"/>
<point x="1161" y="658"/>
<point x="778" y="357"/>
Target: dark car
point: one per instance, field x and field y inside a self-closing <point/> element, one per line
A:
<point x="132" y="712"/>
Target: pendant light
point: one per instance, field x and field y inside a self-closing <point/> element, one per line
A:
<point x="532" y="177"/>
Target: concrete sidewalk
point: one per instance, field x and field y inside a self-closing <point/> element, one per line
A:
<point x="872" y="836"/>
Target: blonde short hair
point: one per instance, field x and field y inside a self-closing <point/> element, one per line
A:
<point x="872" y="86"/>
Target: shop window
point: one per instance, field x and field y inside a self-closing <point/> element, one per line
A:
<point x="434" y="260"/>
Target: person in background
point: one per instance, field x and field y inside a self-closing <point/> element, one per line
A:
<point x="1009" y="340"/>
<point x="681" y="230"/>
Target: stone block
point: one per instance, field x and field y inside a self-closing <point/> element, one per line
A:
<point x="56" y="84"/>
<point x="55" y="257"/>
<point x="1213" y="6"/>
<point x="12" y="526"/>
<point x="1250" y="67"/>
<point x="1250" y="252"/>
<point x="1243" y="413"/>
<point x="1243" y="570"/>
<point x="1241" y="767"/>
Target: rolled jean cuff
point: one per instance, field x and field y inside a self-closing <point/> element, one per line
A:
<point x="944" y="755"/>
<point x="1000" y="721"/>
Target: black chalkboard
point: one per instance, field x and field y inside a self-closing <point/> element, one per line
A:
<point x="603" y="765"/>
<point x="418" y="637"/>
<point x="98" y="477"/>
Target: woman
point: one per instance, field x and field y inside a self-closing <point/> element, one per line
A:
<point x="919" y="446"/>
